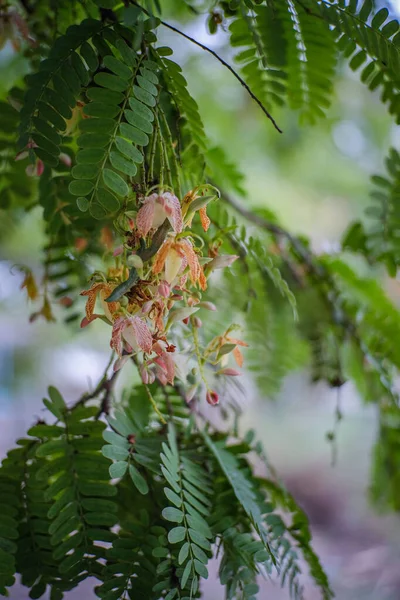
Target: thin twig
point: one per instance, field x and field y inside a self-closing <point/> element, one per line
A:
<point x="221" y="60"/>
<point x="105" y="386"/>
<point x="304" y="253"/>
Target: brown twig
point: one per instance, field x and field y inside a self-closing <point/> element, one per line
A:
<point x="104" y="387"/>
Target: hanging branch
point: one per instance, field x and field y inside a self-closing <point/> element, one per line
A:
<point x="221" y="60"/>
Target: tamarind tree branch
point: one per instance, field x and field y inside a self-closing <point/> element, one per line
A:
<point x="332" y="300"/>
<point x="220" y="59"/>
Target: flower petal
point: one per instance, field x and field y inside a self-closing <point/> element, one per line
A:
<point x="205" y="221"/>
<point x="161" y="256"/>
<point x="142" y="333"/>
<point x="116" y="336"/>
<point x="144" y="219"/>
<point x="174" y="211"/>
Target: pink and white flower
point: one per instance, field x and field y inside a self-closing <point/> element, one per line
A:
<point x="155" y="209"/>
<point x="133" y="331"/>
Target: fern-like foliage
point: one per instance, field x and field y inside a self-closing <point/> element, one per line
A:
<point x="367" y="40"/>
<point x="288" y="56"/>
<point x="190" y="492"/>
<point x="378" y="238"/>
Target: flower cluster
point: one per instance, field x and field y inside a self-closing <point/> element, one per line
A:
<point x="166" y="291"/>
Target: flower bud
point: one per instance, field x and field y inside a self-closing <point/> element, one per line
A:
<point x="144" y="374"/>
<point x="229" y="372"/>
<point x="221" y="261"/>
<point x="164" y="289"/>
<point x="212" y="397"/>
<point x="119" y="250"/>
<point x="197" y="322"/>
<point x="147" y="306"/>
<point x="66" y="301"/>
<point x="135" y="261"/>
<point x="120" y="362"/>
<point x="190" y="393"/>
<point x="85" y="322"/>
<point x="207" y="305"/>
<point x="66" y="159"/>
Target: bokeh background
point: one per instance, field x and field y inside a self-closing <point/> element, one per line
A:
<point x="316" y="180"/>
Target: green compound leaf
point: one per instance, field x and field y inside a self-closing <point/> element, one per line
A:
<point x="115" y="182"/>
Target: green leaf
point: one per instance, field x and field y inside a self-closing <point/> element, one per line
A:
<point x="173" y="514"/>
<point x="80" y="187"/>
<point x="102" y="519"/>
<point x="134" y="135"/>
<point x="105" y="96"/>
<point x="46" y="144"/>
<point x="186" y="573"/>
<point x="183" y="553"/>
<point x="82" y="203"/>
<point x="118" y="469"/>
<point x="58" y="103"/>
<point x="114" y="438"/>
<point x="380" y="18"/>
<point x="101" y="110"/>
<point x="89" y="55"/>
<point x="115" y="182"/>
<point x="47" y="130"/>
<point x="200" y="569"/>
<point x="176" y="535"/>
<point x="145" y="84"/>
<point x="80" y="69"/>
<point x="138" y="480"/>
<point x="100" y="125"/>
<point x="199" y="554"/>
<point x="199" y="539"/>
<point x="199" y="525"/>
<point x="46" y="431"/>
<point x="144" y="96"/>
<point x="53" y="409"/>
<point x="107" y="200"/>
<point x="141" y="109"/>
<point x="121" y="164"/>
<point x="52" y="447"/>
<point x="115" y="452"/>
<point x="47" y="158"/>
<point x="149" y="74"/>
<point x="85" y="171"/>
<point x="111" y="82"/>
<point x="117" y="67"/>
<point x="89" y="156"/>
<point x="174" y="498"/>
<point x="138" y="121"/>
<point x="48" y="113"/>
<point x="129" y="150"/>
<point x="93" y="140"/>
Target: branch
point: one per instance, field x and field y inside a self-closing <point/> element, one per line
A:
<point x="331" y="297"/>
<point x="300" y="248"/>
<point x="221" y="60"/>
<point x="146" y="254"/>
<point x="105" y="387"/>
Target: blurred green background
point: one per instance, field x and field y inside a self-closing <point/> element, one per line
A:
<point x="316" y="180"/>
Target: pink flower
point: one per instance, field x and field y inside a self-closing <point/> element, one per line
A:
<point x="132" y="330"/>
<point x="155" y="209"/>
<point x="212" y="397"/>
